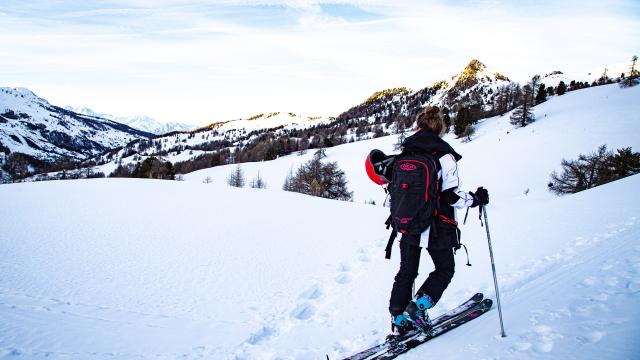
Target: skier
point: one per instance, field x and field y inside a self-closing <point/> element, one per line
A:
<point x="440" y="242"/>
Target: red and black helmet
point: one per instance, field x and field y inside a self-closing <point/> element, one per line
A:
<point x="378" y="167"/>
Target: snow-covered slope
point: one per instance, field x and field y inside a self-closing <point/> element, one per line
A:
<point x="269" y="121"/>
<point x="32" y="126"/>
<point x="203" y="271"/>
<point x="567" y="125"/>
<point x="127" y="268"/>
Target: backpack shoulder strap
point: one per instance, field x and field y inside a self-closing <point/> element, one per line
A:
<point x="392" y="237"/>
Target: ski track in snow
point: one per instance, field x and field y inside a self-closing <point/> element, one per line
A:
<point x="313" y="305"/>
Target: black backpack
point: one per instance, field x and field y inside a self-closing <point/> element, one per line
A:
<point x="414" y="194"/>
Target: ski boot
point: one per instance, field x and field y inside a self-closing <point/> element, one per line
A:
<point x="416" y="312"/>
<point x="400" y="326"/>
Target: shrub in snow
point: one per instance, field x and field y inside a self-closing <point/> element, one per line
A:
<point x="594" y="169"/>
<point x="95" y="175"/>
<point x="122" y="171"/>
<point x="154" y="168"/>
<point x="258" y="183"/>
<point x="236" y="177"/>
<point x="468" y="132"/>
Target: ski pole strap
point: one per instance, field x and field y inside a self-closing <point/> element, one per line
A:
<point x="392" y="237"/>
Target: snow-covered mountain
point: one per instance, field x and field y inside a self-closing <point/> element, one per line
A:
<point x="222" y="136"/>
<point x="151" y="125"/>
<point x="140" y="122"/>
<point x="475" y="85"/>
<point x="181" y="269"/>
<point x="31" y="126"/>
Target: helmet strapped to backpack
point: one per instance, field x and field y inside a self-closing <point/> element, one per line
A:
<point x="379" y="166"/>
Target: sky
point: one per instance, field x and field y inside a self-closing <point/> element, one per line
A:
<point x="198" y="62"/>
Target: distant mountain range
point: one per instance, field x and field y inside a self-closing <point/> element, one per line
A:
<point x="42" y="132"/>
<point x="140" y="122"/>
<point x="29" y="125"/>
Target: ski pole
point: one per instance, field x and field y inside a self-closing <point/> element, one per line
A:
<point x="493" y="268"/>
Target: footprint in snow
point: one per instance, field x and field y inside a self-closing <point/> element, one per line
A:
<point x="344" y="268"/>
<point x="522" y="346"/>
<point x="303" y="311"/>
<point x="343" y="279"/>
<point x="261" y="335"/>
<point x="592" y="337"/>
<point x="588" y="281"/>
<point x="606" y="267"/>
<point x="312" y="293"/>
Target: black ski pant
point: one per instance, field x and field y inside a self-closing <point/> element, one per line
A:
<point x="435" y="284"/>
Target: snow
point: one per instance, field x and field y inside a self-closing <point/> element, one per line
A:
<point x="129" y="268"/>
<point x="140" y="122"/>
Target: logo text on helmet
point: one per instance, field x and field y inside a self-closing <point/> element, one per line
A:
<point x="407" y="167"/>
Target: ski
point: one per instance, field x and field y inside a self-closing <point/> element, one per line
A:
<point x="437" y="330"/>
<point x="393" y="341"/>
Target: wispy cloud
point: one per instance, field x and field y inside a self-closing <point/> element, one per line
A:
<point x="201" y="61"/>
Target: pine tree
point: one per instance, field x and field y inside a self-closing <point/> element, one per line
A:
<point x="447" y="119"/>
<point x="632" y="79"/>
<point x="288" y="181"/>
<point x="236" y="177"/>
<point x="522" y="115"/>
<point x="402" y="135"/>
<point x="542" y="94"/>
<point x="463" y="118"/>
<point x="561" y="89"/>
<point x="633" y="72"/>
<point x="319" y="179"/>
<point x="258" y="183"/>
<point x="533" y="85"/>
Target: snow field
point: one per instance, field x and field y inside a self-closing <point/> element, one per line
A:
<point x="127" y="268"/>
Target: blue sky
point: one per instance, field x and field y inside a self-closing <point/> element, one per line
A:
<point x="203" y="61"/>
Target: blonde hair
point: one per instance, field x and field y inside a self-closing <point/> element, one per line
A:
<point x="431" y="118"/>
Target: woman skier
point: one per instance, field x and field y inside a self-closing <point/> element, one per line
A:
<point x="440" y="243"/>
